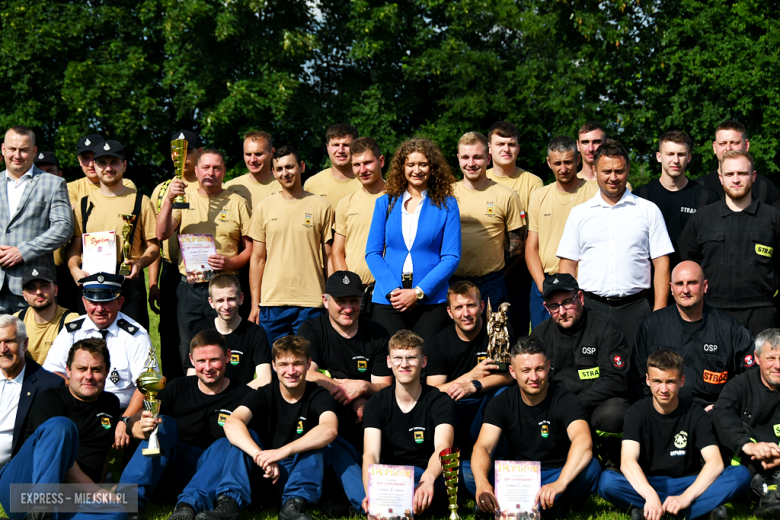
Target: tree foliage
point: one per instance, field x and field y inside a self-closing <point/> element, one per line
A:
<point x="137" y="70"/>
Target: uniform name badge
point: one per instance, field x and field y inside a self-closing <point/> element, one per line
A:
<point x="517" y="482"/>
<point x="98" y="252"/>
<point x="390" y="491"/>
<point x="195" y="252"/>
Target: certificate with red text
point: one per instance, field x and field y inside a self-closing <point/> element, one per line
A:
<point x="195" y="251"/>
<point x="390" y="491"/>
<point x="98" y="252"/>
<point x="516" y="485"/>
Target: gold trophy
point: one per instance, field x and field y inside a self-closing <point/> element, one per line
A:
<point x="179" y="154"/>
<point x="449" y="464"/>
<point x="498" y="336"/>
<point x="127" y="228"/>
<point x="150" y="383"/>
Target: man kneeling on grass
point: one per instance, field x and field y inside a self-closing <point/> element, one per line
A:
<point x="664" y="439"/>
<point x="295" y="421"/>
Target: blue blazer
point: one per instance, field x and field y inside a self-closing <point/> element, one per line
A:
<point x="35" y="381"/>
<point x="435" y="251"/>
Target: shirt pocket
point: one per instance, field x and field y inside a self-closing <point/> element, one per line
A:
<point x="586" y="359"/>
<point x="762" y="245"/>
<point x="712" y="244"/>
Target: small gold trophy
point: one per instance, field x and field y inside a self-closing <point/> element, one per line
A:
<point x="150" y="383"/>
<point x="449" y="464"/>
<point x="498" y="336"/>
<point x="179" y="154"/>
<point x="127" y="228"/>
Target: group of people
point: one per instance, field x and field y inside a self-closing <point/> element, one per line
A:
<point x="346" y="324"/>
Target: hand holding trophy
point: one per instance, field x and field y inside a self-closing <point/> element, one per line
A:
<point x="150" y="383"/>
<point x="179" y="154"/>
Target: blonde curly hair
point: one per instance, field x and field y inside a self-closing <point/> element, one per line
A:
<point x="439" y="183"/>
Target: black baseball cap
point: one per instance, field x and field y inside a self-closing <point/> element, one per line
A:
<point x="109" y="148"/>
<point x="102" y="287"/>
<point x="46" y="158"/>
<point x="559" y="282"/>
<point x="88" y="142"/>
<point x="193" y="141"/>
<point x="37" y="273"/>
<point x="344" y="283"/>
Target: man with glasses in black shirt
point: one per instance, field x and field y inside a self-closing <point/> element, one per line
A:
<point x="664" y="440"/>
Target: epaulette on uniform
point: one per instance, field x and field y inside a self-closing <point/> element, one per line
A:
<point x="75" y="325"/>
<point x="127" y="326"/>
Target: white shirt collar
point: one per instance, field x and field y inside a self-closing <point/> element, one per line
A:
<point x="112" y="329"/>
<point x="408" y="195"/>
<point x="28" y="174"/>
<point x="627" y="198"/>
<point x="19" y="379"/>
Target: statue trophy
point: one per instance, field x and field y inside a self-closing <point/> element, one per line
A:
<point x="150" y="383"/>
<point x="127" y="228"/>
<point x="498" y="336"/>
<point x="179" y="154"/>
<point x="449" y="463"/>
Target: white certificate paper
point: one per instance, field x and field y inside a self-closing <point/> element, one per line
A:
<point x="390" y="491"/>
<point x="98" y="252"/>
<point x="516" y="485"/>
<point x="195" y="251"/>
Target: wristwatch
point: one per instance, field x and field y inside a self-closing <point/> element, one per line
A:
<point x="420" y="294"/>
<point x="477" y="385"/>
<point x="124" y="419"/>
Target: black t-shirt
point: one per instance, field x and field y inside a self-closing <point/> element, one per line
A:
<point x="667" y="441"/>
<point x="692" y="325"/>
<point x="537" y="432"/>
<point x="278" y="422"/>
<point x="677" y="206"/>
<point x="407" y="438"/>
<point x="199" y="416"/>
<point x="248" y="346"/>
<point x="451" y="356"/>
<point x="95" y="422"/>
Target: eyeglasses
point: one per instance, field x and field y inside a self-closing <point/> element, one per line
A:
<point x="566" y="304"/>
<point x="400" y="360"/>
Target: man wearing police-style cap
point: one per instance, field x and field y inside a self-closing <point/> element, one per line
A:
<point x="589" y="357"/>
<point x="128" y="342"/>
<point x="48" y="162"/>
<point x="85" y="149"/>
<point x="164" y="273"/>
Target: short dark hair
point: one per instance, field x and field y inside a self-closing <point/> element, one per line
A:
<point x="611" y="148"/>
<point x="463" y="288"/>
<point x="212" y="151"/>
<point x="207" y="338"/>
<point x="259" y="135"/>
<point x="286" y="150"/>
<point x="291" y="345"/>
<point x="503" y="129"/>
<point x="562" y="144"/>
<point x="665" y="360"/>
<point x="731" y="124"/>
<point x="95" y="346"/>
<point x="590" y="126"/>
<point x="24" y="130"/>
<point x="223" y="281"/>
<point x="528" y="345"/>
<point x="340" y="130"/>
<point x="363" y="145"/>
<point x="406" y="340"/>
<point x="677" y="137"/>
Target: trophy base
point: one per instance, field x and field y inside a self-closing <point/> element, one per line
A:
<point x="181" y="205"/>
<point x="153" y="452"/>
<point x="502" y="367"/>
<point x="124" y="270"/>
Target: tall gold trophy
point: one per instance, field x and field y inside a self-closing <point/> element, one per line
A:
<point x="127" y="228"/>
<point x="498" y="336"/>
<point x="150" y="383"/>
<point x="450" y="463"/>
<point x="179" y="154"/>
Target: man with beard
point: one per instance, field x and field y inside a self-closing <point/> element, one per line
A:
<point x="747" y="420"/>
<point x="338" y="181"/>
<point x="43" y="319"/>
<point x="714" y="345"/>
<point x="492" y="221"/>
<point x="99" y="211"/>
<point x="735" y="242"/>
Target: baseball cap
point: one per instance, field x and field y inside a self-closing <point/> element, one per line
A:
<point x="102" y="287"/>
<point x="109" y="148"/>
<point x="193" y="141"/>
<point x="559" y="282"/>
<point x="37" y="273"/>
<point x="46" y="158"/>
<point x="344" y="283"/>
<point x="88" y="142"/>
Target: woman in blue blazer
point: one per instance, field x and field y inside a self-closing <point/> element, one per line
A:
<point x="413" y="246"/>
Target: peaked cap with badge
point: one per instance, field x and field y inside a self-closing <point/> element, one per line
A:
<point x="342" y="284"/>
<point x="88" y="142"/>
<point x="109" y="148"/>
<point x="46" y="158"/>
<point x="102" y="287"/>
<point x="559" y="282"/>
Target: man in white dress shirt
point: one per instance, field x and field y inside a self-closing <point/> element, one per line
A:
<point x="613" y="242"/>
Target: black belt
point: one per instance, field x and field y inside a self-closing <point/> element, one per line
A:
<point x="615" y="300"/>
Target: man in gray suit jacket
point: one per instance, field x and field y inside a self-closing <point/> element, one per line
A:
<point x="35" y="216"/>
